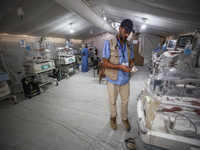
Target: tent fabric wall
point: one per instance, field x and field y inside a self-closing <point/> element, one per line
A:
<point x="13" y="54"/>
<point x="99" y="41"/>
<point x="148" y="43"/>
<point x="139" y="60"/>
<point x="76" y="44"/>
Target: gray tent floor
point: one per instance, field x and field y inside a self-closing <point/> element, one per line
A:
<point x="71" y="116"/>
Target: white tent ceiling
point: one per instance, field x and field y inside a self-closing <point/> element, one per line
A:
<point x="49" y="18"/>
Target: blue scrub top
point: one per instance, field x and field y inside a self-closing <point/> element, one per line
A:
<point x="122" y="77"/>
<point x="85" y="60"/>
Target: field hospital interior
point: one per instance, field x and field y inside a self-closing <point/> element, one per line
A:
<point x="51" y="100"/>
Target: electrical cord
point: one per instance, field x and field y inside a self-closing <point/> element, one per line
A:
<point x="188" y="119"/>
<point x="128" y="141"/>
<point x="195" y="94"/>
<point x="186" y="131"/>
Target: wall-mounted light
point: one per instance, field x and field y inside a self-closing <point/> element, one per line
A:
<point x="143" y="25"/>
<point x="103" y="15"/>
<point x="71" y="30"/>
<point x="109" y="20"/>
<point x="117" y="28"/>
<point x="115" y="25"/>
<point x="20" y="12"/>
<point x="91" y="32"/>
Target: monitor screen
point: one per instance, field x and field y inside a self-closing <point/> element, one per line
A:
<point x="171" y="44"/>
<point x="88" y="44"/>
<point x="183" y="40"/>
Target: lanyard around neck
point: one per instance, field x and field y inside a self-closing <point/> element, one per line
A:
<point x="123" y="50"/>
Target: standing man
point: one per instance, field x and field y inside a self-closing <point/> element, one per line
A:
<point x="118" y="59"/>
<point x="85" y="58"/>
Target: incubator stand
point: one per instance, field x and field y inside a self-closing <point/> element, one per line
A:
<point x="168" y="109"/>
<point x="91" y="51"/>
<point x="65" y="61"/>
<point x="5" y="92"/>
<point x="78" y="56"/>
<point x="40" y="64"/>
<point x="4" y="88"/>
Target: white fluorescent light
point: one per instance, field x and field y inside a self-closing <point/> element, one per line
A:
<point x="143" y="26"/>
<point x="71" y="31"/>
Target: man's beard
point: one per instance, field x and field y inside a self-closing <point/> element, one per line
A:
<point x="121" y="37"/>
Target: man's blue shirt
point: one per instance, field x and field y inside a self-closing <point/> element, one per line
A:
<point x="122" y="77"/>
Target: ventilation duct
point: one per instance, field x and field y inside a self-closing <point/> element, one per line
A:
<point x="82" y="9"/>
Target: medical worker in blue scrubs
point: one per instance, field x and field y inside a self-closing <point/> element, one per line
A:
<point x="85" y="58"/>
<point x="118" y="59"/>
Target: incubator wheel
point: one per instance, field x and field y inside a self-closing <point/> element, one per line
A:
<point x="15" y="101"/>
<point x="67" y="76"/>
<point x="76" y="71"/>
<point x="41" y="90"/>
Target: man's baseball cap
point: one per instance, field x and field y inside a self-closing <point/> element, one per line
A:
<point x="127" y="24"/>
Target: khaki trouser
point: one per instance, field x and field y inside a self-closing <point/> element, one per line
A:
<point x="124" y="91"/>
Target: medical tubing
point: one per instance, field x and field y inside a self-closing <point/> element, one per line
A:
<point x="188" y="119"/>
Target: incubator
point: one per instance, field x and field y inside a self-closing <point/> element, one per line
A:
<point x="155" y="60"/>
<point x="5" y="92"/>
<point x="168" y="109"/>
<point x="168" y="59"/>
<point x="39" y="63"/>
<point x="176" y="59"/>
<point x="186" y="44"/>
<point x="65" y="61"/>
<point x="65" y="56"/>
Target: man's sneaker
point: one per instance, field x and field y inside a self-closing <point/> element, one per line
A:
<point x="126" y="124"/>
<point x="113" y="123"/>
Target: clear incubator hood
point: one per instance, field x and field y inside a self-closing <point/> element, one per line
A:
<point x="168" y="109"/>
<point x="174" y="82"/>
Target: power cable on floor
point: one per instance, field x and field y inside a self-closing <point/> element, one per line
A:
<point x="130" y="144"/>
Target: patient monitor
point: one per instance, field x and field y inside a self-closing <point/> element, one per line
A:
<point x="171" y="45"/>
<point x="183" y="40"/>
